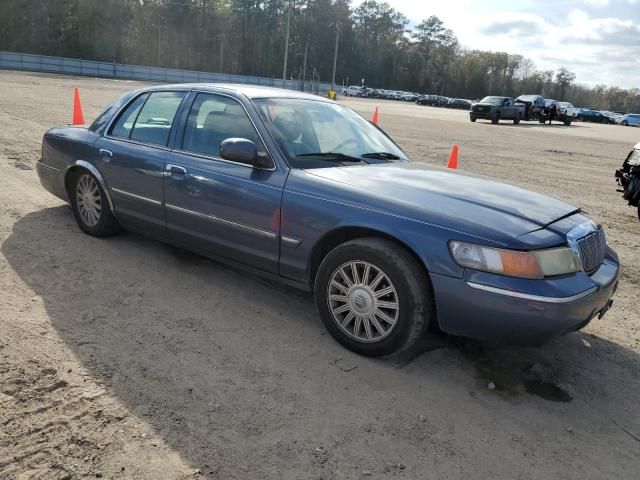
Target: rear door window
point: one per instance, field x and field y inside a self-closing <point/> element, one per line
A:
<point x="156" y="117"/>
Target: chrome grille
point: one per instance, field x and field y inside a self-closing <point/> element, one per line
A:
<point x="592" y="248"/>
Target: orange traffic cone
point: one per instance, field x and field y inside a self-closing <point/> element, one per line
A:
<point x="453" y="157"/>
<point x="374" y="120"/>
<point x="78" y="117"/>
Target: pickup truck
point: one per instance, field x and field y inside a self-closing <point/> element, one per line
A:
<point x="496" y="109"/>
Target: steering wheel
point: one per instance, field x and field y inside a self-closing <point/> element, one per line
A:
<point x="344" y="144"/>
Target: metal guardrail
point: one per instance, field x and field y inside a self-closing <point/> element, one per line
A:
<point x="72" y="66"/>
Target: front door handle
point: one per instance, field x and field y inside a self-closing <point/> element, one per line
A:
<point x="105" y="154"/>
<point x="176" y="171"/>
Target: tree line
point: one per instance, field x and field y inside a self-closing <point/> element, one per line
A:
<point x="248" y="37"/>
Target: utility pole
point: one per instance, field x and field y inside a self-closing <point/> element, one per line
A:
<point x="304" y="66"/>
<point x="221" y="37"/>
<point x="335" y="58"/>
<point x="286" y="45"/>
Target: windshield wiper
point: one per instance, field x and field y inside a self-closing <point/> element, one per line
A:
<point x="381" y="155"/>
<point x="332" y="156"/>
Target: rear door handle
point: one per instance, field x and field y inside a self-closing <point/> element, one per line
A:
<point x="176" y="171"/>
<point x="105" y="154"/>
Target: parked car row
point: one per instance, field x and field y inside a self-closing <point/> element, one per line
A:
<point x="525" y="107"/>
<point x="534" y="107"/>
<point x="420" y="99"/>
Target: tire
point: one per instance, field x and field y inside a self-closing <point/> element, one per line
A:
<point x="625" y="123"/>
<point x="495" y="118"/>
<point x="567" y="122"/>
<point x="472" y="118"/>
<point x="98" y="221"/>
<point x="410" y="293"/>
<point x="541" y="120"/>
<point x="516" y="119"/>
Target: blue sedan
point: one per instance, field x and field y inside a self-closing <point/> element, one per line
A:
<point x="306" y="191"/>
<point x="631" y="120"/>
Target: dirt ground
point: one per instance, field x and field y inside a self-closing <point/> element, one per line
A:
<point x="125" y="358"/>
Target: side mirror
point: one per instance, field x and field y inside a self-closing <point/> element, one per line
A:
<point x="243" y="151"/>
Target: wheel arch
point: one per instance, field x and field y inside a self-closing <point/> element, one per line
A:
<point x="343" y="234"/>
<point x="76" y="168"/>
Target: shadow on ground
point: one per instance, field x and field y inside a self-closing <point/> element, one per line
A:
<point x="239" y="376"/>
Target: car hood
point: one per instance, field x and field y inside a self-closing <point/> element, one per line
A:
<point x="447" y="197"/>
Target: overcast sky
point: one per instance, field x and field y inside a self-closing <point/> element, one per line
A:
<point x="599" y="40"/>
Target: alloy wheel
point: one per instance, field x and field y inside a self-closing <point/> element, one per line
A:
<point x="363" y="301"/>
<point x="88" y="199"/>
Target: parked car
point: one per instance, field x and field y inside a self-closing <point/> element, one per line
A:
<point x="352" y="91"/>
<point x="631" y="120"/>
<point x="533" y="106"/>
<point x="587" y="115"/>
<point x="306" y="191"/>
<point x="460" y="103"/>
<point x="628" y="178"/>
<point x="567" y="109"/>
<point x="560" y="113"/>
<point x="496" y="108"/>
<point x="432" y="100"/>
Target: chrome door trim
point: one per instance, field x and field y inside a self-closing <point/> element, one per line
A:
<point x="44" y="165"/>
<point x="535" y="298"/>
<point x="290" y="242"/>
<point x="137" y="197"/>
<point x="222" y="221"/>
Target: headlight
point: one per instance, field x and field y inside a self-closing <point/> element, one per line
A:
<point x="537" y="264"/>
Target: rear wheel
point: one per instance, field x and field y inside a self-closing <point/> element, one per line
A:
<point x="567" y="122"/>
<point x="90" y="206"/>
<point x="472" y="118"/>
<point x="625" y="123"/>
<point x="495" y="118"/>
<point x="373" y="297"/>
<point x="516" y="119"/>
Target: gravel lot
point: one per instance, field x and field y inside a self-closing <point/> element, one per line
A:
<point x="125" y="358"/>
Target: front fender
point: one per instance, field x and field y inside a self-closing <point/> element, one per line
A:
<point x="308" y="219"/>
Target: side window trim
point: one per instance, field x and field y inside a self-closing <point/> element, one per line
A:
<point x="179" y="138"/>
<point x="133" y="126"/>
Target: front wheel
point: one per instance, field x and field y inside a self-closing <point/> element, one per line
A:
<point x="495" y="119"/>
<point x="373" y="297"/>
<point x="91" y="208"/>
<point x="516" y="120"/>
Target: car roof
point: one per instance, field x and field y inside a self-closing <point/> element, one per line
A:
<point x="250" y="91"/>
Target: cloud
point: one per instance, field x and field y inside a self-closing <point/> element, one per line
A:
<point x="514" y="28"/>
<point x="597" y="3"/>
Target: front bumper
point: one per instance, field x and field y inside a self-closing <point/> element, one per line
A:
<point x="503" y="310"/>
<point x="482" y="115"/>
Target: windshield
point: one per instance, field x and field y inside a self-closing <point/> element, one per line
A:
<point x="316" y="134"/>
<point x="492" y="100"/>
